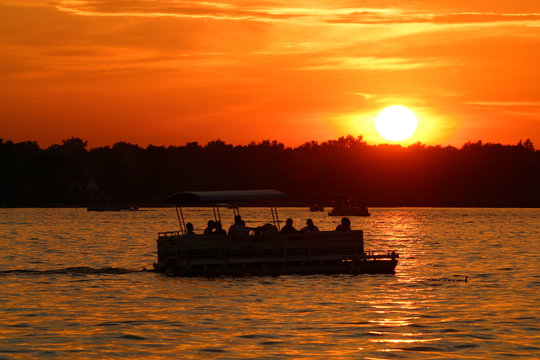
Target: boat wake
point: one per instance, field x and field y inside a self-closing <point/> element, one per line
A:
<point x="82" y="270"/>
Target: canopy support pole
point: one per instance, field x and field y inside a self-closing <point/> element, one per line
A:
<point x="217" y="215"/>
<point x="181" y="221"/>
<point x="275" y="218"/>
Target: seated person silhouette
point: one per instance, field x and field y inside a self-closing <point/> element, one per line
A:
<point x="210" y="228"/>
<point x="345" y="225"/>
<point x="266" y="229"/>
<point x="310" y="227"/>
<point x="239" y="227"/>
<point x="189" y="229"/>
<point x="288" y="228"/>
<point x="218" y="230"/>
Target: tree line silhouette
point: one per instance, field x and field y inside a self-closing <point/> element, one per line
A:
<point x="70" y="174"/>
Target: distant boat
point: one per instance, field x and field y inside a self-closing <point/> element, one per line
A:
<point x="316" y="207"/>
<point x="349" y="211"/>
<point x="344" y="207"/>
<point x="264" y="251"/>
<point x="112" y="208"/>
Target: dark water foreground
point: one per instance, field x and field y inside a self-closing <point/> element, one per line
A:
<point x="73" y="286"/>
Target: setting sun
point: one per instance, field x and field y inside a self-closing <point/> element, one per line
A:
<point x="396" y="123"/>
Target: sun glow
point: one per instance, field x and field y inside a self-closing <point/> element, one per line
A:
<point x="396" y="123"/>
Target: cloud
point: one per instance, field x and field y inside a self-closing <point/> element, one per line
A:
<point x="375" y="63"/>
<point x="171" y="8"/>
<point x="366" y="96"/>
<point x="403" y="17"/>
<point x="270" y="11"/>
<point x="505" y="103"/>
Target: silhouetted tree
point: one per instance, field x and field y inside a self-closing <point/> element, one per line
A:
<point x="478" y="174"/>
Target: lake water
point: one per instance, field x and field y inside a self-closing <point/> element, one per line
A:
<point x="100" y="311"/>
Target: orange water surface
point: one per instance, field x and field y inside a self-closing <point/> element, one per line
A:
<point x="100" y="311"/>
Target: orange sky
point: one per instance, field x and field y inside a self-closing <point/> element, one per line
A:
<point x="169" y="72"/>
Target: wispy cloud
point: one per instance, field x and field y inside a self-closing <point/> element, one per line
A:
<point x="375" y="63"/>
<point x="401" y="17"/>
<point x="171" y="8"/>
<point x="270" y="11"/>
<point x="366" y="96"/>
<point x="505" y="103"/>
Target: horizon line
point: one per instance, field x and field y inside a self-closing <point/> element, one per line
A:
<point x="348" y="137"/>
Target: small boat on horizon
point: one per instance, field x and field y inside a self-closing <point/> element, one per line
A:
<point x="349" y="211"/>
<point x="316" y="207"/>
<point x="346" y="208"/>
<point x="112" y="208"/>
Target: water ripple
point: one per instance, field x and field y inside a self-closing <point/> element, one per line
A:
<point x="72" y="288"/>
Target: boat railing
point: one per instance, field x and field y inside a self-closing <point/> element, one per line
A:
<point x="381" y="254"/>
<point x="169" y="233"/>
<point x="173" y="245"/>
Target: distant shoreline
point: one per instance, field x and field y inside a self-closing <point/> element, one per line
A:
<point x="347" y="169"/>
<point x="280" y="206"/>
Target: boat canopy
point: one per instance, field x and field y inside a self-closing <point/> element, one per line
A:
<point x="215" y="197"/>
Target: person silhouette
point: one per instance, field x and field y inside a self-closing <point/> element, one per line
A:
<point x="310" y="227"/>
<point x="288" y="228"/>
<point x="345" y="225"/>
<point x="210" y="228"/>
<point x="218" y="230"/>
<point x="239" y="227"/>
<point x="189" y="229"/>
